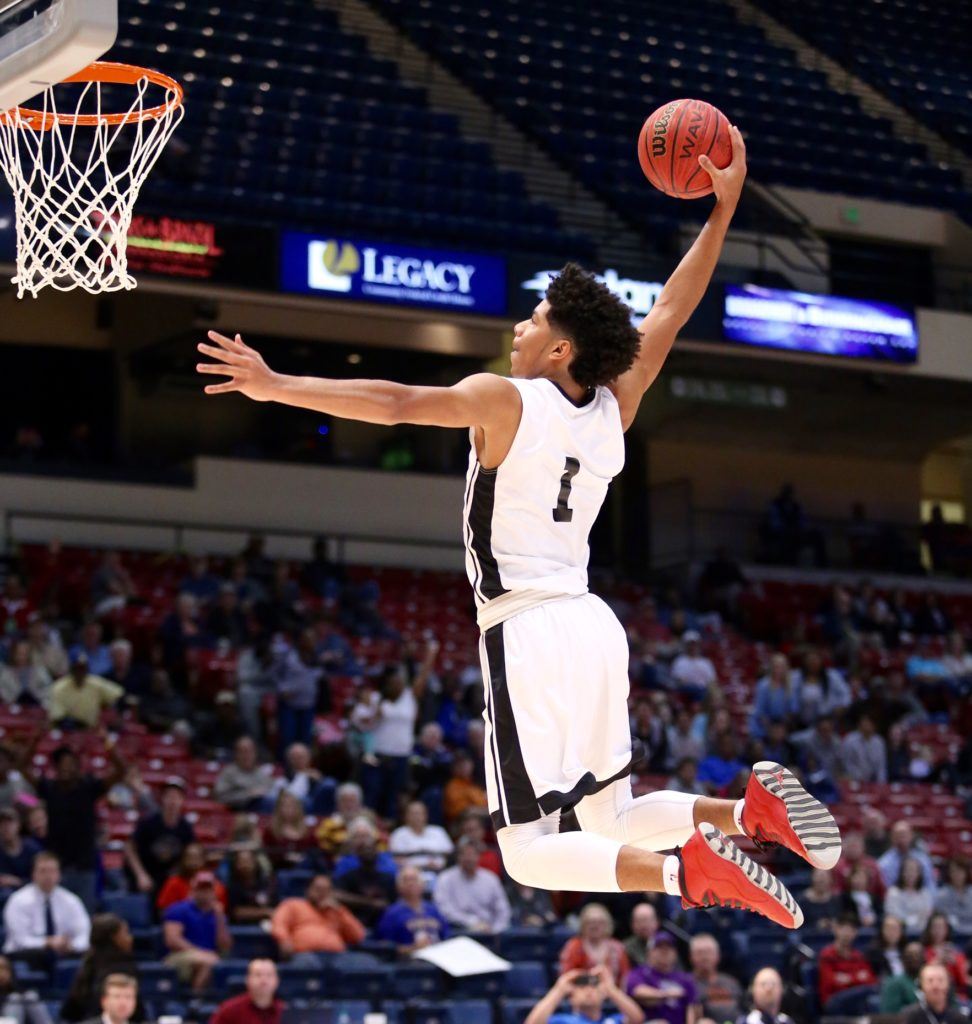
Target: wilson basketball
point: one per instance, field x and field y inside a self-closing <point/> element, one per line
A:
<point x="671" y="141"/>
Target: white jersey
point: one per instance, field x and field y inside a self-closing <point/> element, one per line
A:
<point x="526" y="523"/>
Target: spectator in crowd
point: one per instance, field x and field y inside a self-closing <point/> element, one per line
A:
<point x="46" y="648"/>
<point x="18" y="1007"/>
<point x="133" y="677"/>
<point x="818" y="690"/>
<point x="301" y="778"/>
<point x="594" y="946"/>
<point x="332" y="832"/>
<point x="822" y="745"/>
<point x="411" y="922"/>
<point x="301" y="682"/>
<point x="110" y="952"/>
<point x="875" y="829"/>
<point x="785" y="533"/>
<point x="112" y="586"/>
<point x="431" y="767"/>
<point x="181" y="631"/>
<point x="904" y="844"/>
<point x="958" y="662"/>
<point x="259" y="1003"/>
<point x="471" y="897"/>
<point x="314" y="923"/>
<point x="201" y="583"/>
<point x="244" y="784"/>
<point x="719" y="993"/>
<point x="858" y="899"/>
<point x="773" y="700"/>
<point x="864" y="753"/>
<point x="767" y="996"/>
<point x="692" y="673"/>
<point x="472" y="826"/>
<point x="71" y="798"/>
<point x="933" y="999"/>
<point x="668" y="993"/>
<point x="909" y="898"/>
<point x="195" y="933"/>
<point x="16" y="853"/>
<point x="722" y="766"/>
<point x="250" y="887"/>
<point x="852" y="856"/>
<point x="365" y="879"/>
<point x="683" y="743"/>
<point x="529" y="907"/>
<point x="954" y="898"/>
<point x="91" y="648"/>
<point x="685" y="779"/>
<point x="13" y="785"/>
<point x="899" y="991"/>
<point x="160" y="839"/>
<point x="119" y="1000"/>
<point x="462" y="792"/>
<point x="78" y="698"/>
<point x="940" y="949"/>
<point x="36" y="823"/>
<point x="841" y="966"/>
<point x="43" y="921"/>
<point x="394" y="732"/>
<point x="649" y="730"/>
<point x="886" y="952"/>
<point x="427" y="847"/>
<point x="23" y="681"/>
<point x="644" y="927"/>
<point x="162" y="709"/>
<point x="777" y="746"/>
<point x="288" y="838"/>
<point x="587" y="991"/>
<point x="178" y="886"/>
<point x="226" y="620"/>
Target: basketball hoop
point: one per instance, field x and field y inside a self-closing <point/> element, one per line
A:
<point x="73" y="196"/>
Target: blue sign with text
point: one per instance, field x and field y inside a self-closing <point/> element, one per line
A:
<point x="819" y="324"/>
<point x="340" y="267"/>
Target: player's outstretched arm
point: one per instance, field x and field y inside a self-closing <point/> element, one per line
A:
<point x="483" y="399"/>
<point x="685" y="288"/>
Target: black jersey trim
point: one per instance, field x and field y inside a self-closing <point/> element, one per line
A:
<point x="481" y="530"/>
<point x="516" y="789"/>
<point x="581" y="402"/>
<point x="587" y="784"/>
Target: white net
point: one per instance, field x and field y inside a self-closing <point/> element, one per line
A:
<point x="75" y="180"/>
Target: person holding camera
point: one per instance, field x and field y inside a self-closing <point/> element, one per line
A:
<point x="587" y="992"/>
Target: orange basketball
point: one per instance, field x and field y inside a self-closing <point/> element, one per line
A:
<point x="671" y="141"/>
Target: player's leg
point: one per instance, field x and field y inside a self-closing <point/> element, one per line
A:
<point x="709" y="870"/>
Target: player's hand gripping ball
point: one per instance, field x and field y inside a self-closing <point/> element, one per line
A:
<point x="672" y="140"/>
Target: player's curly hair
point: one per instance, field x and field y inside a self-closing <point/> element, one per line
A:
<point x="596" y="321"/>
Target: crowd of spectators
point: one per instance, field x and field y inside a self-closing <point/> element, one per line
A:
<point x="360" y="811"/>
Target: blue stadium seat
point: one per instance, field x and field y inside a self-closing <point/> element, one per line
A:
<point x="514" y="1011"/>
<point x="479" y="986"/>
<point x="292" y="883"/>
<point x="251" y="941"/>
<point x="526" y="980"/>
<point x="462" y="1011"/>
<point x="362" y="982"/>
<point x="518" y="944"/>
<point x="418" y="981"/>
<point x="853" y="1002"/>
<point x="132" y="907"/>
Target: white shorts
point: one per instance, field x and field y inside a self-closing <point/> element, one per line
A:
<point x="556" y="695"/>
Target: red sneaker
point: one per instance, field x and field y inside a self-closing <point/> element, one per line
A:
<point x="779" y="810"/>
<point x="716" y="873"/>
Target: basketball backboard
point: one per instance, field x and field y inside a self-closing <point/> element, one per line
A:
<point x="42" y="42"/>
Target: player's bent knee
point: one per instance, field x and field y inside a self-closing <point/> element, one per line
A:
<point x="522" y="866"/>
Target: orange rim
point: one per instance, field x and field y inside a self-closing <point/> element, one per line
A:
<point x="105" y="71"/>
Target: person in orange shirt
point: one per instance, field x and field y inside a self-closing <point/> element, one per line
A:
<point x="315" y="923"/>
<point x="178" y="885"/>
<point x="461" y="792"/>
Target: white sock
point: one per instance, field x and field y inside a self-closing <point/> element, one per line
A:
<point x="737" y="816"/>
<point x="670" y="870"/>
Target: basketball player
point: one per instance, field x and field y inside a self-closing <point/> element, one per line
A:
<point x="545" y="444"/>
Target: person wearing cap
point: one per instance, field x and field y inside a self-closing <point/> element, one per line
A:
<point x="667" y="993"/>
<point x="196" y="934"/>
<point x="692" y="672"/>
<point x="587" y="991"/>
<point x="259" y="1003"/>
<point x="159" y="839"/>
<point x="78" y="698"/>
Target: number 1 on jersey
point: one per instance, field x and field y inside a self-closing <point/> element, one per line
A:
<point x="563" y="514"/>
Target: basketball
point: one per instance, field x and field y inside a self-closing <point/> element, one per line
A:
<point x="672" y="140"/>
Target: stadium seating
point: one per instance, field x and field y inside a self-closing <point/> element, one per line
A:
<point x="290" y="121"/>
<point x="916" y="53"/>
<point x="581" y="81"/>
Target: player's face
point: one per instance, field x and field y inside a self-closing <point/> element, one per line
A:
<point x="533" y="341"/>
